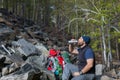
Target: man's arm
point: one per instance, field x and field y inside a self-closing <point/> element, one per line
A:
<point x="88" y="66"/>
<point x="90" y="62"/>
<point x="72" y="49"/>
<point x="85" y="69"/>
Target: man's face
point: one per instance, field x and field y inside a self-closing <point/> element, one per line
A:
<point x="80" y="41"/>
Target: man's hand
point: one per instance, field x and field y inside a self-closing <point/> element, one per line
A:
<point x="76" y="74"/>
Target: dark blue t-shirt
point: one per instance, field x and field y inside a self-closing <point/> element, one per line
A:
<point x="84" y="54"/>
<point x="89" y="54"/>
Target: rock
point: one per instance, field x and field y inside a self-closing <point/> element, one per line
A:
<point x="13" y="67"/>
<point x="9" y="69"/>
<point x="2" y="60"/>
<point x="49" y="74"/>
<point x="0" y="14"/>
<point x="107" y="78"/>
<point x="39" y="64"/>
<point x="8" y="60"/>
<point x="29" y="58"/>
<point x="24" y="68"/>
<point x="113" y="73"/>
<point x="16" y="59"/>
<point x="99" y="69"/>
<point x="26" y="76"/>
<point x="11" y="56"/>
<point x="38" y="61"/>
<point x="5" y="32"/>
<point x="42" y="49"/>
<point x="118" y="74"/>
<point x="2" y="52"/>
<point x="41" y="74"/>
<point x="26" y="48"/>
<point x="5" y="70"/>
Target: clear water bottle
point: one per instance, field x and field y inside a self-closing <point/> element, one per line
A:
<point x="72" y="41"/>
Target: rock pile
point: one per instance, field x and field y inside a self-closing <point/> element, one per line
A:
<point x="24" y="49"/>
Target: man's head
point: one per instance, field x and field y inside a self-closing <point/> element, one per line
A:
<point x="83" y="40"/>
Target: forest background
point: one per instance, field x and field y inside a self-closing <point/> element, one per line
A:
<point x="99" y="19"/>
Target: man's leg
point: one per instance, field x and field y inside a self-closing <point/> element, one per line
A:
<point x="81" y="77"/>
<point x="90" y="76"/>
<point x="84" y="77"/>
<point x="68" y="70"/>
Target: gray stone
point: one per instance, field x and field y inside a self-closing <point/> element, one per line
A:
<point x="99" y="69"/>
<point x="106" y="78"/>
<point x="37" y="61"/>
<point x="33" y="65"/>
<point x="16" y="59"/>
<point x="0" y="14"/>
<point x="13" y="67"/>
<point x="42" y="49"/>
<point x="26" y="76"/>
<point x="5" y="31"/>
<point x="5" y="71"/>
<point x="25" y="47"/>
<point x="2" y="60"/>
<point x="118" y="74"/>
<point x="8" y="60"/>
<point x="24" y="68"/>
<point x="112" y="73"/>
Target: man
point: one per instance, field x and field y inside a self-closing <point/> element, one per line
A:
<point x="85" y="70"/>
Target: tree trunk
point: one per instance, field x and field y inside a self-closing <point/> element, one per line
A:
<point x="5" y="4"/>
<point x="47" y="12"/>
<point x="1" y="3"/>
<point x="117" y="49"/>
<point x="76" y="12"/>
<point x="103" y="41"/>
<point x="109" y="48"/>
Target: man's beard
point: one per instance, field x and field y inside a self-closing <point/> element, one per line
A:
<point x="80" y="44"/>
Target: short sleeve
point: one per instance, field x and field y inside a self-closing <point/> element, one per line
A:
<point x="89" y="54"/>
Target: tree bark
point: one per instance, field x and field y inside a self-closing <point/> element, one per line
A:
<point x="103" y="41"/>
<point x="117" y="49"/>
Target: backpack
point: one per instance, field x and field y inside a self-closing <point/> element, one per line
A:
<point x="57" y="61"/>
<point x="65" y="56"/>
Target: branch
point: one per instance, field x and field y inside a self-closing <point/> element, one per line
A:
<point x="115" y="28"/>
<point x="88" y="10"/>
<point x="95" y="6"/>
<point x="93" y="20"/>
<point x="72" y="21"/>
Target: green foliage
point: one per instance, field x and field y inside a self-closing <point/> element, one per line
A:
<point x="78" y="17"/>
<point x="95" y="41"/>
<point x="95" y="45"/>
<point x="118" y="40"/>
<point x="113" y="51"/>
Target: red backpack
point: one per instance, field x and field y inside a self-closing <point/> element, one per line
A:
<point x="53" y="56"/>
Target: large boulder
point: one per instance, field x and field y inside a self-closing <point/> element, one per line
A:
<point x="99" y="69"/>
<point x="24" y="47"/>
<point x="42" y="49"/>
<point x="24" y="76"/>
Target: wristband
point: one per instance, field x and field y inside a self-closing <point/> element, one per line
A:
<point x="81" y="72"/>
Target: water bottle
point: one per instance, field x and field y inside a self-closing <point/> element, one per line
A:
<point x="72" y="41"/>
